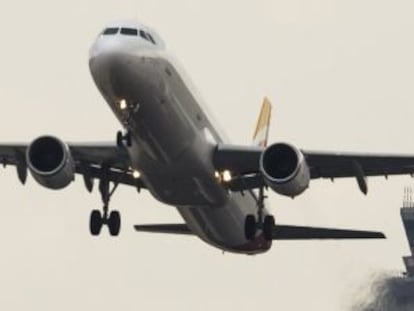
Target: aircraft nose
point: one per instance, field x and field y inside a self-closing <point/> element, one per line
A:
<point x="119" y="65"/>
<point x="107" y="61"/>
<point x="104" y="48"/>
<point x="107" y="57"/>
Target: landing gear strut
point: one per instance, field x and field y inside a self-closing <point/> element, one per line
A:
<point x="123" y="139"/>
<point x="129" y="108"/>
<point x="111" y="219"/>
<point x="264" y="222"/>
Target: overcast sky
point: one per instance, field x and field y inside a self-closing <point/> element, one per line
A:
<point x="340" y="75"/>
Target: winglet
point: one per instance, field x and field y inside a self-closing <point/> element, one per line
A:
<point x="263" y="123"/>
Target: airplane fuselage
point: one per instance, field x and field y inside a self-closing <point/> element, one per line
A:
<point x="173" y="136"/>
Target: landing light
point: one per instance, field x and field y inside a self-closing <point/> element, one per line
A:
<point x="136" y="174"/>
<point x="223" y="176"/>
<point x="123" y="104"/>
<point x="226" y="176"/>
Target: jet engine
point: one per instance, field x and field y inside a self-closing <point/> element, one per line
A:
<point x="284" y="169"/>
<point x="50" y="162"/>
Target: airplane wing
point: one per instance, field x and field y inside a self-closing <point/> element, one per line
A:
<point x="243" y="162"/>
<point x="330" y="165"/>
<point x="90" y="160"/>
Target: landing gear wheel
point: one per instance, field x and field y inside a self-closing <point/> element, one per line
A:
<point x="111" y="219"/>
<point x="128" y="139"/>
<point x="268" y="225"/>
<point x="250" y="227"/>
<point x="114" y="223"/>
<point x="95" y="223"/>
<point x="119" y="139"/>
<point x="122" y="139"/>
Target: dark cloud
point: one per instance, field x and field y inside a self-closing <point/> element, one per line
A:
<point x="387" y="292"/>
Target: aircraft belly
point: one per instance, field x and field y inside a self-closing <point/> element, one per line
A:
<point x="188" y="181"/>
<point x="159" y="119"/>
<point x="224" y="227"/>
<point x="170" y="148"/>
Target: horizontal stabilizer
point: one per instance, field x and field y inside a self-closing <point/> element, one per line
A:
<point x="281" y="232"/>
<point x="164" y="228"/>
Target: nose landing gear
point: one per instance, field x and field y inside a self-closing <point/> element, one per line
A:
<point x="129" y="108"/>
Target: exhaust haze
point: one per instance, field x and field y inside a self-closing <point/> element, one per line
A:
<point x="387" y="292"/>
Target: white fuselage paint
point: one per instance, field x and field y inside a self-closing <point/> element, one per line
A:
<point x="173" y="137"/>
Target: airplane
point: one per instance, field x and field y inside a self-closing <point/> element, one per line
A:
<point x="172" y="147"/>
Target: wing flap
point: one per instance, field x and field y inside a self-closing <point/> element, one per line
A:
<point x="12" y="153"/>
<point x="114" y="175"/>
<point x="101" y="153"/>
<point x="285" y="232"/>
<point x="242" y="183"/>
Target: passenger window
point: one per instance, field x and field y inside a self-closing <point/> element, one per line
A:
<point x="129" y="31"/>
<point x="110" y="31"/>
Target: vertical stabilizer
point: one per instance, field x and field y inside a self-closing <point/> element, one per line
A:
<point x="263" y="123"/>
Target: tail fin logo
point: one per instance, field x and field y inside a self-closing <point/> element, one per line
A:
<point x="263" y="123"/>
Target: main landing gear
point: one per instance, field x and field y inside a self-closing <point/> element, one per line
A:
<point x="265" y="223"/>
<point x="111" y="219"/>
<point x="97" y="220"/>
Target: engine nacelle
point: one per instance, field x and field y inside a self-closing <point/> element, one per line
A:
<point x="284" y="169"/>
<point x="50" y="162"/>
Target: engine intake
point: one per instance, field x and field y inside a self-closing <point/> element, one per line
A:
<point x="50" y="162"/>
<point x="284" y="169"/>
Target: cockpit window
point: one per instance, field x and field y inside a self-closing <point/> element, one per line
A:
<point x="143" y="34"/>
<point x="150" y="37"/>
<point x="129" y="31"/>
<point x="146" y="36"/>
<point x="110" y="31"/>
